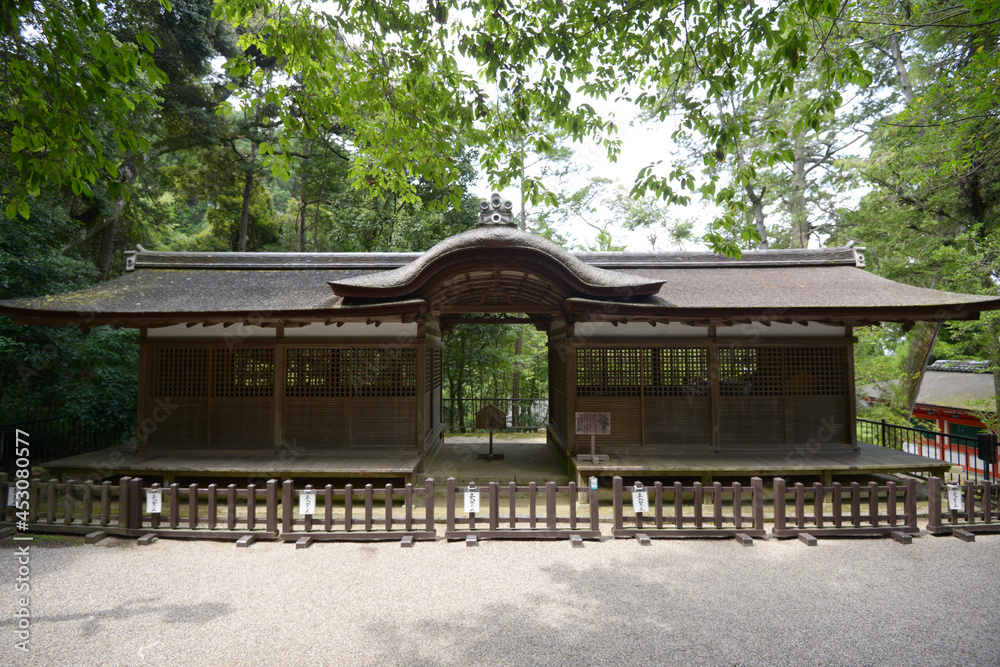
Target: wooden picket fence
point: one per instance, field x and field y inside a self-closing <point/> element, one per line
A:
<point x="491" y="523"/>
<point x="250" y="511"/>
<point x="866" y="511"/>
<point x="548" y="511"/>
<point x="220" y="512"/>
<point x="717" y="518"/>
<point x="372" y="523"/>
<point x="969" y="519"/>
<point x="71" y="507"/>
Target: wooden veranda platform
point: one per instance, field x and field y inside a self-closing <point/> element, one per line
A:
<point x="380" y="463"/>
<point x="869" y="460"/>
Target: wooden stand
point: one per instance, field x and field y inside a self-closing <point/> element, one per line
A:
<point x="593" y="455"/>
<point x="491" y="455"/>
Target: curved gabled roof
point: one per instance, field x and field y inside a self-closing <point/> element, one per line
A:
<point x="496" y="244"/>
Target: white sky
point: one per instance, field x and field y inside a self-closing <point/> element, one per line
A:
<point x="641" y="146"/>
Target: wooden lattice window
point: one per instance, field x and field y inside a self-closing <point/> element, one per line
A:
<point x="751" y="371"/>
<point x="814" y="371"/>
<point x="315" y="372"/>
<point x="611" y="371"/>
<point x="382" y="372"/>
<point x="244" y="373"/>
<point x="677" y="372"/>
<point x="180" y="372"/>
<point x="778" y="371"/>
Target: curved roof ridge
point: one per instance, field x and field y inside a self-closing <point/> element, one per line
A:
<point x="480" y="243"/>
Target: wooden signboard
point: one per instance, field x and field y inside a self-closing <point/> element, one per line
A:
<point x="491" y="417"/>
<point x="593" y="424"/>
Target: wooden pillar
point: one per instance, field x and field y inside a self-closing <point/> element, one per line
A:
<point x="144" y="389"/>
<point x="714" y="372"/>
<point x="280" y="378"/>
<point x="850" y="398"/>
<point x="569" y="422"/>
<point x="421" y="389"/>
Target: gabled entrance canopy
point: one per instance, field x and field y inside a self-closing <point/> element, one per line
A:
<point x="495" y="269"/>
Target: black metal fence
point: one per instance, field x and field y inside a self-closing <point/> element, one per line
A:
<point x="56" y="438"/>
<point x="532" y="413"/>
<point x="957" y="450"/>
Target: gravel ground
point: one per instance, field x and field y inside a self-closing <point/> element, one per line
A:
<point x="845" y="602"/>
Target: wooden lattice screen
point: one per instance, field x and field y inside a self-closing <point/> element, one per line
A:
<point x="180" y="373"/>
<point x="775" y="395"/>
<point x="557" y="387"/>
<point x="339" y="397"/>
<point x="316" y="372"/>
<point x="656" y="396"/>
<point x="333" y="396"/>
<point x="768" y="395"/>
<point x="224" y="398"/>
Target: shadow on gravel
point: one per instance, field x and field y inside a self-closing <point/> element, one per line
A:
<point x="198" y="614"/>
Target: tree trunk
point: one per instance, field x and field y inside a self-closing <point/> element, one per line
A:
<point x="128" y="174"/>
<point x="302" y="227"/>
<point x="758" y="205"/>
<point x="515" y="385"/>
<point x="902" y="75"/>
<point x="797" y="202"/>
<point x="111" y="220"/>
<point x="303" y="194"/>
<point x="758" y="215"/>
<point x="247" y="191"/>
<point x="921" y="347"/>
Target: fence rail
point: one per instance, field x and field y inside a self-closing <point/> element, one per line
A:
<point x="251" y="510"/>
<point x="345" y="525"/>
<point x="864" y="516"/>
<point x="958" y="450"/>
<point x="721" y="519"/>
<point x="548" y="525"/>
<point x="59" y="437"/>
<point x="460" y="413"/>
<point x="967" y="518"/>
<point x="528" y="511"/>
<point x="68" y="507"/>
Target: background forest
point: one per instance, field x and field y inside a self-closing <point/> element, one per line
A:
<point x="250" y="125"/>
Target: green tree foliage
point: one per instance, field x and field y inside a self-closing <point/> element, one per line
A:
<point x="74" y="97"/>
<point x="932" y="216"/>
<point x="394" y="77"/>
<point x="224" y="220"/>
<point x="479" y="362"/>
<point x="46" y="372"/>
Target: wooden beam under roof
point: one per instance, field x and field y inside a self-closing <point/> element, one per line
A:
<point x="506" y="319"/>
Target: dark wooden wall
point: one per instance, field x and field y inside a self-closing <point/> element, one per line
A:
<point x="256" y="395"/>
<point x="729" y="395"/>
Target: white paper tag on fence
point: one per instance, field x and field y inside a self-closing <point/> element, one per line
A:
<point x="10" y="496"/>
<point x="307" y="502"/>
<point x="640" y="500"/>
<point x="956" y="503"/>
<point x="471" y="501"/>
<point x="593" y="484"/>
<point x="154" y="501"/>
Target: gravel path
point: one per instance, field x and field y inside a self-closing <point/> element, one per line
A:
<point x="845" y="602"/>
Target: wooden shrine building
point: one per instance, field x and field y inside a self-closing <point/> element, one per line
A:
<point x="330" y="364"/>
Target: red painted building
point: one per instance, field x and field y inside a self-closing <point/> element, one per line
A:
<point x="952" y="396"/>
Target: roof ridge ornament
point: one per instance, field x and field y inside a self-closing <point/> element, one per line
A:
<point x="495" y="211"/>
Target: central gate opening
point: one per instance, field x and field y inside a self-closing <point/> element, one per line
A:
<point x="502" y="361"/>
